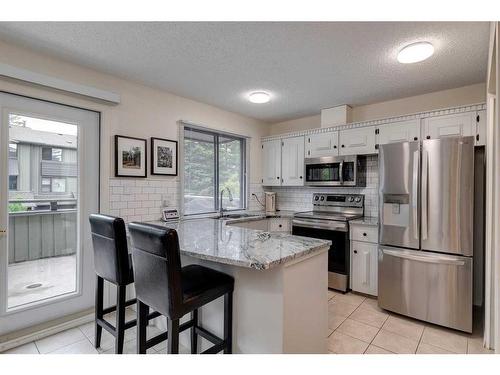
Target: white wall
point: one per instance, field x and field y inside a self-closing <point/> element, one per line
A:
<point x="435" y="100"/>
<point x="144" y="112"/>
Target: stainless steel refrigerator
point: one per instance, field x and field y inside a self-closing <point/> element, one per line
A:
<point x="426" y="196"/>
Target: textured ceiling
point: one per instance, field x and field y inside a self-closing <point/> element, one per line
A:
<point x="306" y="66"/>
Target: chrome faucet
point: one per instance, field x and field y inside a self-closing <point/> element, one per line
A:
<point x="230" y="196"/>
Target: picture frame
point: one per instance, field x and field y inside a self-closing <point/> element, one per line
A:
<point x="130" y="157"/>
<point x="164" y="157"/>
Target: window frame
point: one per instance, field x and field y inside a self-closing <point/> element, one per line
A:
<point x="244" y="160"/>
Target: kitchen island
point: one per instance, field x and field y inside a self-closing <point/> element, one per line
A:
<point x="281" y="283"/>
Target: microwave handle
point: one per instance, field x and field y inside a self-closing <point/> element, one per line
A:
<point x="341" y="172"/>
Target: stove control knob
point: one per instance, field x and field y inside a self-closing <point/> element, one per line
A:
<point x="358" y="199"/>
<point x="322" y="198"/>
<point x="316" y="198"/>
<point x="351" y="199"/>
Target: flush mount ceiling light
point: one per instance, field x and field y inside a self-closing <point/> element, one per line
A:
<point x="259" y="97"/>
<point x="415" y="52"/>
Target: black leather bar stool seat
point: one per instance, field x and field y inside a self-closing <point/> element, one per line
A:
<point x="174" y="291"/>
<point x="112" y="263"/>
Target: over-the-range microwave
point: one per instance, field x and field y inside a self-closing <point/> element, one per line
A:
<point x="336" y="171"/>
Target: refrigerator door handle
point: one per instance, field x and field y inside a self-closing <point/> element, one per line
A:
<point x="416" y="162"/>
<point x="425" y="182"/>
<point x="439" y="259"/>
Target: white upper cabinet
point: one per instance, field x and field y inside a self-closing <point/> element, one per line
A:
<point x="461" y="124"/>
<point x="481" y="128"/>
<point x="292" y="161"/>
<point x="271" y="163"/>
<point x="401" y="131"/>
<point x="357" y="141"/>
<point x="322" y="144"/>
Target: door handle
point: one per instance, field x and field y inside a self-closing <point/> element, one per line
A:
<point x="414" y="203"/>
<point x="424" y="203"/>
<point x="436" y="259"/>
<point x="341" y="172"/>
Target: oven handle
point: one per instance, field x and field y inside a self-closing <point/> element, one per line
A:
<point x="336" y="226"/>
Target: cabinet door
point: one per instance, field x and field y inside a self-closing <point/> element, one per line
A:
<point x="451" y="125"/>
<point x="357" y="141"/>
<point x="364" y="265"/>
<point x="401" y="131"/>
<point x="292" y="163"/>
<point x="271" y="163"/>
<point x="481" y="128"/>
<point x="323" y="144"/>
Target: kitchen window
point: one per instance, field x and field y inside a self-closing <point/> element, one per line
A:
<point x="213" y="161"/>
<point x="53" y="185"/>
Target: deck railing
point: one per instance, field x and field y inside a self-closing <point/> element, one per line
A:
<point x="42" y="228"/>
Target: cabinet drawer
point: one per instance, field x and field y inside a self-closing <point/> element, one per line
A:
<point x="279" y="225"/>
<point x="364" y="233"/>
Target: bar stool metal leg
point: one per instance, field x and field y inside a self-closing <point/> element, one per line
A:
<point x="194" y="335"/>
<point x="173" y="336"/>
<point x="228" y="323"/>
<point x="142" y="323"/>
<point x="120" y="318"/>
<point x="99" y="296"/>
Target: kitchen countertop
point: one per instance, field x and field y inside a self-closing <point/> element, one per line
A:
<point x="367" y="220"/>
<point x="212" y="239"/>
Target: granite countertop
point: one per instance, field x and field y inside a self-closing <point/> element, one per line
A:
<point x="212" y="239"/>
<point x="367" y="220"/>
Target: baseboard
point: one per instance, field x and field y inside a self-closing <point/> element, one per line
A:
<point x="44" y="330"/>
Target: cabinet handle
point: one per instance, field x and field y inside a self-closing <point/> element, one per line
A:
<point x="428" y="137"/>
<point x="355" y="251"/>
<point x="415" y="138"/>
<point x="308" y="152"/>
<point x="477" y="137"/>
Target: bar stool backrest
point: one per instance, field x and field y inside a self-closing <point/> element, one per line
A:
<point x="109" y="239"/>
<point x="157" y="267"/>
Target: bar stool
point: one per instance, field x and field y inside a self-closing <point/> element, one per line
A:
<point x="112" y="263"/>
<point x="174" y="291"/>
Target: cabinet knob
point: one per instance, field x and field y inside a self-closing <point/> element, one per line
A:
<point x="415" y="138"/>
<point x="355" y="251"/>
<point x="343" y="146"/>
<point x="428" y="137"/>
<point x="281" y="226"/>
<point x="300" y="177"/>
<point x="277" y="178"/>
<point x="364" y="234"/>
<point x="335" y="146"/>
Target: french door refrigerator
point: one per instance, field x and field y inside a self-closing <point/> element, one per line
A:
<point x="426" y="196"/>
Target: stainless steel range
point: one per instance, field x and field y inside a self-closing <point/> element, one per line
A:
<point x="329" y="220"/>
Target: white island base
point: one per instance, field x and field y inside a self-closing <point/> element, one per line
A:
<point x="279" y="310"/>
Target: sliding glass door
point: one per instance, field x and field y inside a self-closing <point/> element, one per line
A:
<point x="49" y="175"/>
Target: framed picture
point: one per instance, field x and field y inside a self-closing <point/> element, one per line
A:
<point x="130" y="157"/>
<point x="163" y="157"/>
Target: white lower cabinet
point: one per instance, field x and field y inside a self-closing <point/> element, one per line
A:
<point x="280" y="225"/>
<point x="364" y="259"/>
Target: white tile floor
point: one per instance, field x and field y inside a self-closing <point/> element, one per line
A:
<point x="356" y="325"/>
<point x="56" y="275"/>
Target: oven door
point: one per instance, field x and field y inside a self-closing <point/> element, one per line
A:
<point x="323" y="171"/>
<point x="338" y="255"/>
